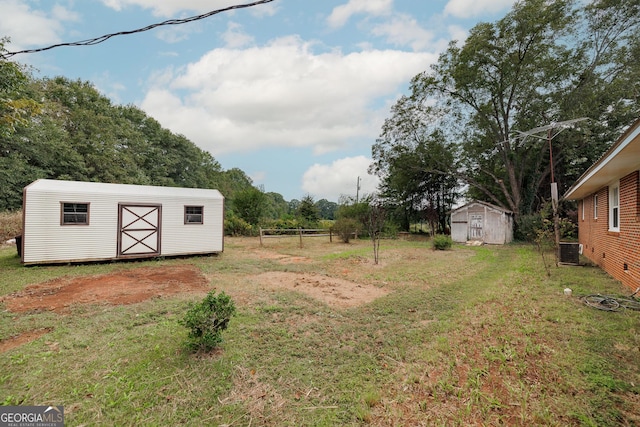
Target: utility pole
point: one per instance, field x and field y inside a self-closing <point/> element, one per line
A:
<point x="554" y="200"/>
<point x="554" y="185"/>
<point x="357" y="189"/>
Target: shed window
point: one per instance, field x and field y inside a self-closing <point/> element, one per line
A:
<point x="193" y="215"/>
<point x="614" y="207"/>
<point x="75" y="213"/>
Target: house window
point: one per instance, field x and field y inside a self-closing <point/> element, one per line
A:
<point x="614" y="207"/>
<point x="74" y="213"/>
<point x="595" y="206"/>
<point x="583" y="203"/>
<point x="193" y="215"/>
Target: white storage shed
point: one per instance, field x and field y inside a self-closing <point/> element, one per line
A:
<point x="483" y="222"/>
<point x="70" y="221"/>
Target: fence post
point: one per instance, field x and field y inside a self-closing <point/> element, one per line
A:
<point x="260" y="236"/>
<point x="300" y="232"/>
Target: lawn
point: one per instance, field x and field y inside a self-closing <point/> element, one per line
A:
<point x="324" y="337"/>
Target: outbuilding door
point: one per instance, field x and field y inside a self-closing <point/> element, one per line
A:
<point x="139" y="229"/>
<point x="475" y="227"/>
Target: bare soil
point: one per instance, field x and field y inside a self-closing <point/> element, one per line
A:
<point x="332" y="291"/>
<point x="121" y="287"/>
<point x="139" y="284"/>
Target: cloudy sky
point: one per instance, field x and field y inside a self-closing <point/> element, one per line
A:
<point x="293" y="92"/>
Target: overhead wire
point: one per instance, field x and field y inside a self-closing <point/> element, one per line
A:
<point x="97" y="40"/>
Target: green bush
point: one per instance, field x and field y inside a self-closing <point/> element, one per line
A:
<point x="345" y="227"/>
<point x="442" y="242"/>
<point x="207" y="320"/>
<point x="236" y="226"/>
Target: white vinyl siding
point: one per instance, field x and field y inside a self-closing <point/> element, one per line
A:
<point x="45" y="240"/>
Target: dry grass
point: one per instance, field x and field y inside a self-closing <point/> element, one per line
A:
<point x="472" y="336"/>
<point x="10" y="225"/>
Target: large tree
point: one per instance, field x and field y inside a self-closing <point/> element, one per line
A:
<point x="544" y="62"/>
<point x="406" y="154"/>
<point x="250" y="205"/>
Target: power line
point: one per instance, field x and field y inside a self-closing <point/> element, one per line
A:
<point x="106" y="37"/>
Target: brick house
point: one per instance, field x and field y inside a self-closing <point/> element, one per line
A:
<point x="608" y="196"/>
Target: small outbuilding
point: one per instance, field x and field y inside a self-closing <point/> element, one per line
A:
<point x="481" y="222"/>
<point x="71" y="221"/>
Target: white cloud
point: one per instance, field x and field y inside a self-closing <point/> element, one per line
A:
<point x="281" y="95"/>
<point x="235" y="36"/>
<point x="105" y="84"/>
<point x="339" y="178"/>
<point x="474" y="8"/>
<point x="341" y="14"/>
<point x="403" y="30"/>
<point x="168" y="8"/>
<point x="458" y="33"/>
<point x="32" y="27"/>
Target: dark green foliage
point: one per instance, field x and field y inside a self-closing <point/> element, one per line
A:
<point x="207" y="320"/>
<point x="326" y="209"/>
<point x="532" y="227"/>
<point x="345" y="228"/>
<point x="441" y="242"/>
<point x="276" y="207"/>
<point x="15" y="105"/>
<point x="75" y="133"/>
<point x="307" y="212"/>
<point x="236" y="226"/>
<point x="250" y="204"/>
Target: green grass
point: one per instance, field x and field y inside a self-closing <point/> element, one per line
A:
<point x="471" y="336"/>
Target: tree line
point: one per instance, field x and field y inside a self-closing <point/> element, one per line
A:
<point x="466" y="129"/>
<point x="58" y="128"/>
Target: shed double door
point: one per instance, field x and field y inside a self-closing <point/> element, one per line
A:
<point x="139" y="227"/>
<point x="475" y="229"/>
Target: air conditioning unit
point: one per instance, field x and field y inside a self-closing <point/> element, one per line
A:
<point x="569" y="253"/>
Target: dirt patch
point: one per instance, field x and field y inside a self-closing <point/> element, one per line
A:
<point x="332" y="291"/>
<point x="122" y="287"/>
<point x="18" y="340"/>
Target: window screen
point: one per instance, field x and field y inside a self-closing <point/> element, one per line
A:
<point x="75" y="213"/>
<point x="193" y="214"/>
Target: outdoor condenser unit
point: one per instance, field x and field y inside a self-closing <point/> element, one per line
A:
<point x="569" y="253"/>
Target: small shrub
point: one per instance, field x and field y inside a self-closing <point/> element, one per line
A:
<point x="236" y="226"/>
<point x="207" y="320"/>
<point x="442" y="242"/>
<point x="345" y="227"/>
